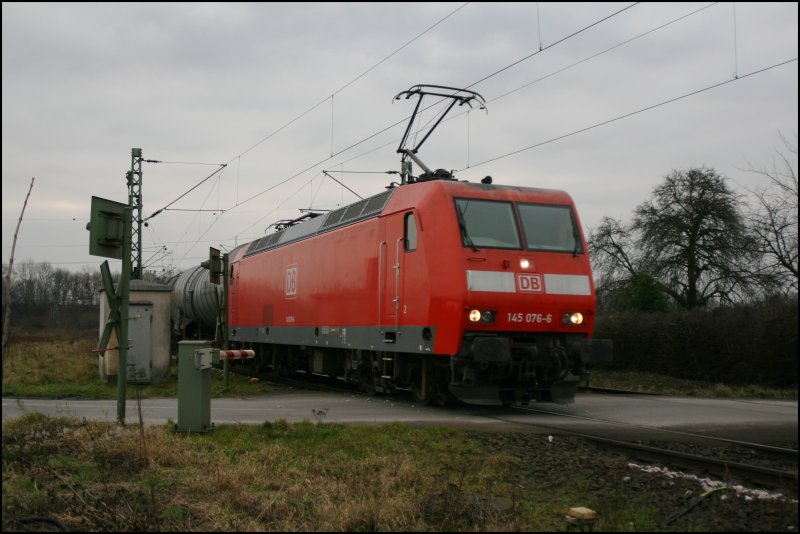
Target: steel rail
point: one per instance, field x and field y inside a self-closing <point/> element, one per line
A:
<point x="765" y="476"/>
<point x="788" y="454"/>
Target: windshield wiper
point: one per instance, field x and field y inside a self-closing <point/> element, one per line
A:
<point x="463" y="226"/>
<point x="576" y="235"/>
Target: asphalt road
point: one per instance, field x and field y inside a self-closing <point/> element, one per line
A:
<point x="751" y="420"/>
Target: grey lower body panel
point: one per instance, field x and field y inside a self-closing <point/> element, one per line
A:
<point x="411" y="339"/>
<point x="499" y="368"/>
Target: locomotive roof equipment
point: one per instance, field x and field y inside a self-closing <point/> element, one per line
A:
<point x="460" y="97"/>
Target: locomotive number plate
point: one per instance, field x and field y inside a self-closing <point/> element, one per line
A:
<point x="538" y="318"/>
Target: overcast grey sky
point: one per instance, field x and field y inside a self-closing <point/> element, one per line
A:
<point x="212" y="83"/>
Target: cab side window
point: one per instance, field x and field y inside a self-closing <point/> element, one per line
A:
<point x="410" y="233"/>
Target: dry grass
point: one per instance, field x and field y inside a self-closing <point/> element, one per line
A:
<point x="94" y="476"/>
<point x="63" y="364"/>
<point x="281" y="477"/>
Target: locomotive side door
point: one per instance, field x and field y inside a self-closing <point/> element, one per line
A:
<point x="391" y="271"/>
<point x="233" y="289"/>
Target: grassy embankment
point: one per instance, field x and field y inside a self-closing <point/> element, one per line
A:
<point x="276" y="476"/>
<point x="63" y="366"/>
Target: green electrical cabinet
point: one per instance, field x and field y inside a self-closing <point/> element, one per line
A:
<point x="195" y="359"/>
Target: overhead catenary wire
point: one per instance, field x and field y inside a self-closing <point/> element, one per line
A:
<point x="532" y="54"/>
<point x="402" y="121"/>
<point x="506" y="94"/>
<point x="541" y="49"/>
<point x="605" y="51"/>
<point x="161" y="250"/>
<point x="539" y="25"/>
<point x="495" y="99"/>
<point x="437" y="23"/>
<point x="182" y="162"/>
<point x="277" y="208"/>
<point x="193" y="210"/>
<point x="563" y="69"/>
<point x="351" y="82"/>
<point x="510" y="65"/>
<point x="341" y="183"/>
<point x="192" y="222"/>
<point x="551" y="45"/>
<point x="632" y="113"/>
<point x="518" y="144"/>
<point x="364" y="172"/>
<point x="204" y="180"/>
<point x="735" y="45"/>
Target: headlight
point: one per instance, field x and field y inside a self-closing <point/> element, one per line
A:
<point x="482" y="316"/>
<point x="524" y="263"/>
<point x="573" y="318"/>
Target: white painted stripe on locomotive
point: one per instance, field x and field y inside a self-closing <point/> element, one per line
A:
<point x="495" y="281"/>
<point x="567" y="284"/>
<point x="503" y="282"/>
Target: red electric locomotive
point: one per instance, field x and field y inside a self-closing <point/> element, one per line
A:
<point x="450" y="289"/>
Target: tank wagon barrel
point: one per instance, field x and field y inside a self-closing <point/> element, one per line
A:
<point x="197" y="300"/>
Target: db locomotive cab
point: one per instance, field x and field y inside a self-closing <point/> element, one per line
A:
<point x="529" y="303"/>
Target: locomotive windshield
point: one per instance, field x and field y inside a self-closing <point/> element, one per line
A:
<point x="487" y="223"/>
<point x="492" y="224"/>
<point x="550" y="228"/>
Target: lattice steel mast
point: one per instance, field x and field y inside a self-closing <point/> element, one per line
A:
<point x="134" y="177"/>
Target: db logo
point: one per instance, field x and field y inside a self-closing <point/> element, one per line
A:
<point x="291" y="282"/>
<point x="530" y="283"/>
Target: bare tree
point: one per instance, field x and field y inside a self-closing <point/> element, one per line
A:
<point x="613" y="250"/>
<point x="623" y="275"/>
<point x="7" y="286"/>
<point x="774" y="219"/>
<point x="694" y="233"/>
<point x="689" y="241"/>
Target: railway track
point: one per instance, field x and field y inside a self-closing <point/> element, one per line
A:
<point x="723" y="469"/>
<point x="614" y="391"/>
<point x="727" y="459"/>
